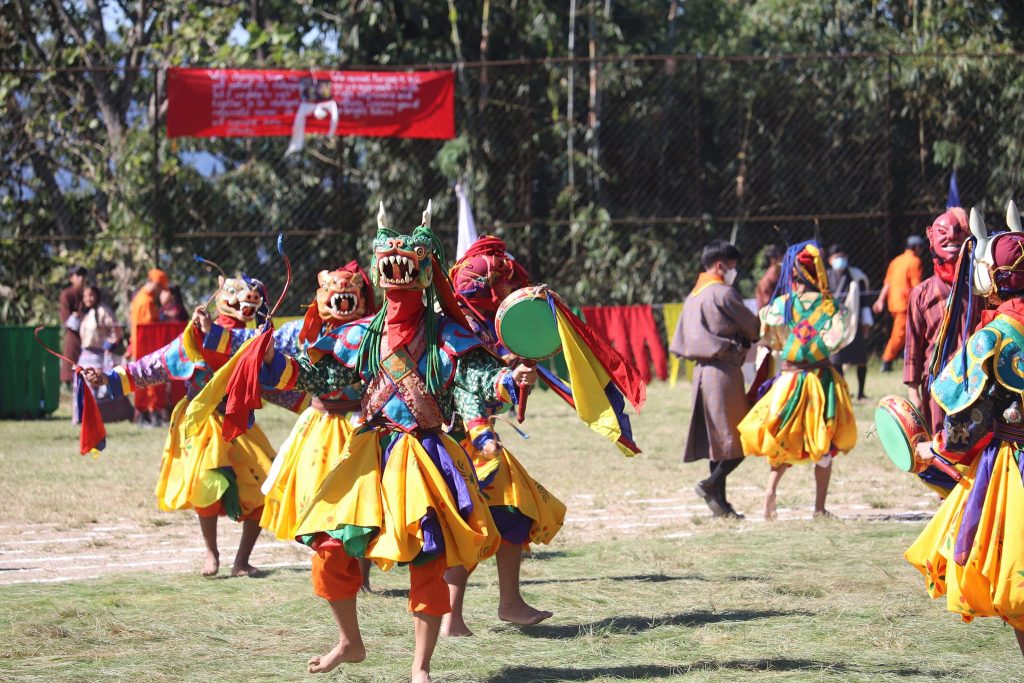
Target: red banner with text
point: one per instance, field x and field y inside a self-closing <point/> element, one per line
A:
<point x="260" y="102"/>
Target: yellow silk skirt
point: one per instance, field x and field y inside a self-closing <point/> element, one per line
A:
<point x="991" y="581"/>
<point x="798" y="420"/>
<point x="511" y="485"/>
<point x="357" y="493"/>
<point x="313" y="449"/>
<point x="188" y="471"/>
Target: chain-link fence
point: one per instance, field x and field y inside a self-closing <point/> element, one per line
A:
<point x="605" y="176"/>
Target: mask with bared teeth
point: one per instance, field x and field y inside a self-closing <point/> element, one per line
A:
<point x="242" y="299"/>
<point x="343" y="295"/>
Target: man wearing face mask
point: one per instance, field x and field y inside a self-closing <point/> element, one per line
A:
<point x="715" y="330"/>
<point x="840" y="275"/>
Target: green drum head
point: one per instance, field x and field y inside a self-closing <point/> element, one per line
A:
<point x="894" y="440"/>
<point x="528" y="329"/>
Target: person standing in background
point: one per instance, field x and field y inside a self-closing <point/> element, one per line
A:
<point x="172" y="307"/>
<point x="925" y="311"/>
<point x="903" y="274"/>
<point x="70" y="308"/>
<point x="773" y="270"/>
<point x="715" y="330"/>
<point x="840" y="275"/>
<point x="150" y="401"/>
<point x="102" y="338"/>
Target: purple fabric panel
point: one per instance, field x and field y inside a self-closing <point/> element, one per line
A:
<point x="148" y="370"/>
<point x="513" y="525"/>
<point x="442" y="460"/>
<point x="433" y="539"/>
<point x="975" y="502"/>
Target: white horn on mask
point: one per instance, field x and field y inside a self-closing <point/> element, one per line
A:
<point x="426" y="214"/>
<point x="382" y="218"/>
<point x="1013" y="217"/>
<point x="982" y="277"/>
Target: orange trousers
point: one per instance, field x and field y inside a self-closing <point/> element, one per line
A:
<point x="336" y="576"/>
<point x="897" y="339"/>
<point x="152" y="398"/>
<point x="217" y="509"/>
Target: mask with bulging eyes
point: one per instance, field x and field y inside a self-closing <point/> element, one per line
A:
<point x="240" y="298"/>
<point x="340" y="297"/>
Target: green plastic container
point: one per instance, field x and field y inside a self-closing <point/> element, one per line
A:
<point x="29" y="376"/>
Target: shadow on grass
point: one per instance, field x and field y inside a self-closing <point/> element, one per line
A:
<point x="639" y="578"/>
<point x="635" y="624"/>
<point x="515" y="674"/>
<point x="545" y="555"/>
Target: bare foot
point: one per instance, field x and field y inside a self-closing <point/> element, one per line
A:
<point x="246" y="570"/>
<point x="770" y="513"/>
<point x="453" y="626"/>
<point x="211" y="565"/>
<point x="421" y="677"/>
<point x="343" y="653"/>
<point x="522" y="614"/>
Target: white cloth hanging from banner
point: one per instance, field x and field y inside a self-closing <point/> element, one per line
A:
<point x="319" y="110"/>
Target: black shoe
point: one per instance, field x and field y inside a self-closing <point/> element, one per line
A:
<point x="886" y="366"/>
<point x="731" y="513"/>
<point x="710" y="499"/>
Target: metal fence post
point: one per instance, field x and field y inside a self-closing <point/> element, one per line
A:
<point x="887" y="188"/>
<point x="157" y="185"/>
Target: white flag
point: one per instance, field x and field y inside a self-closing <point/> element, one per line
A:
<point x="467" y="228"/>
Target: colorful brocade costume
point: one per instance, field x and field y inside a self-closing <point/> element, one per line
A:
<point x="311" y="449"/>
<point x="972" y="551"/>
<point x="523" y="510"/>
<point x="805" y="415"/>
<point x="319" y="435"/>
<point x="204" y="471"/>
<point x="430" y="504"/>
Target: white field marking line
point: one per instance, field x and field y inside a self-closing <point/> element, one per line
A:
<point x="653" y="500"/>
<point x="141" y="551"/>
<point x="60" y="558"/>
<point x="635" y="525"/>
<point x="65" y="578"/>
<point x="44" y="541"/>
<point x="22" y="526"/>
<point x="56" y="579"/>
<point x="679" y="534"/>
<point x="611" y="518"/>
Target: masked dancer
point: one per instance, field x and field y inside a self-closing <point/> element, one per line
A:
<point x="523" y="510"/>
<point x="805" y="416"/>
<point x="204" y="472"/>
<point x="403" y="491"/>
<point x="973" y="549"/>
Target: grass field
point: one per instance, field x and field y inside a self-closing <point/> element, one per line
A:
<point x="643" y="583"/>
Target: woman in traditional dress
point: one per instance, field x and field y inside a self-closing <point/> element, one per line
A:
<point x="805" y="416"/>
<point x="102" y="339"/>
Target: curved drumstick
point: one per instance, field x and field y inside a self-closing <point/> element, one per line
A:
<point x="288" y="274"/>
<point x="46" y="348"/>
